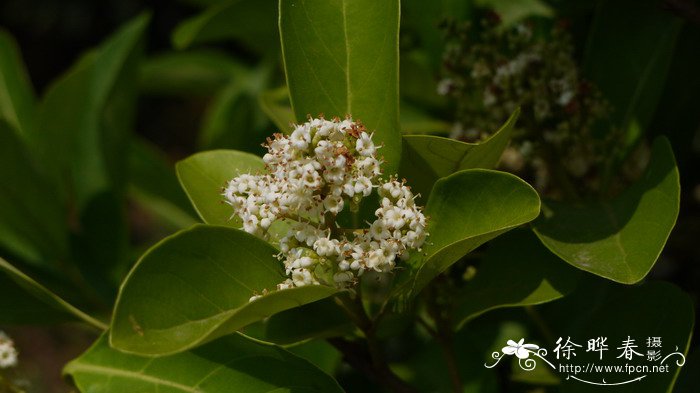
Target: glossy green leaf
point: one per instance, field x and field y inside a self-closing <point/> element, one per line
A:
<point x="618" y="239"/>
<point x="85" y="117"/>
<point x="230" y="364"/>
<point x="275" y="103"/>
<point x="465" y="210"/>
<point x="195" y="286"/>
<point x="322" y="319"/>
<point x="25" y="301"/>
<point x="341" y="57"/>
<point x="629" y="64"/>
<point x="427" y="158"/>
<point x="154" y="185"/>
<point x="654" y="309"/>
<point x="17" y="102"/>
<point x="32" y="220"/>
<point x="187" y="73"/>
<point x="250" y="22"/>
<point x="203" y="176"/>
<point x="516" y="271"/>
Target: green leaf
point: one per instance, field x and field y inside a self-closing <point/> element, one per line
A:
<point x="427" y="158"/>
<point x="17" y="102"/>
<point x="322" y="319"/>
<point x="230" y="364"/>
<point x="250" y="22"/>
<point x="195" y="286"/>
<point x="630" y="65"/>
<point x="618" y="239"/>
<point x="599" y="309"/>
<point x="85" y="117"/>
<point x="234" y="120"/>
<point x="465" y="210"/>
<point x="415" y="120"/>
<point x="154" y="185"/>
<point x="320" y="353"/>
<point x="423" y="19"/>
<point x="25" y="301"/>
<point x="275" y="103"/>
<point x="187" y="73"/>
<point x="341" y="57"/>
<point x="32" y="219"/>
<point x="516" y="271"/>
<point x="203" y="176"/>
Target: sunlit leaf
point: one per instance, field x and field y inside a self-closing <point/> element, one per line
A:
<point x="204" y="175"/>
<point x="618" y="239"/>
<point x="427" y="158"/>
<point x="229" y="364"/>
<point x="198" y="284"/>
<point x="465" y="210"/>
<point x="341" y="57"/>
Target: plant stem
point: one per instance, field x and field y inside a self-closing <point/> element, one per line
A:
<point x="444" y="336"/>
<point x="357" y="355"/>
<point x="541" y="324"/>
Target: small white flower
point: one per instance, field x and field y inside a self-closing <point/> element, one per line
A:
<point x="311" y="176"/>
<point x="8" y="352"/>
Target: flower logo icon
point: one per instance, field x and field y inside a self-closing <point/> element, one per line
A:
<point x="519" y="349"/>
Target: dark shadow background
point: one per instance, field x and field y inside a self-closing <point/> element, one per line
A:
<point x="53" y="33"/>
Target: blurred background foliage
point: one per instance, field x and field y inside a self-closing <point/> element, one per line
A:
<point x="208" y="75"/>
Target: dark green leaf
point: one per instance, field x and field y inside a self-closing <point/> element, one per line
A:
<point x="341" y="57"/>
<point x="322" y="319"/>
<point x="250" y="22"/>
<point x="630" y="64"/>
<point x="516" y="271"/>
<point x="654" y="309"/>
<point x="230" y="364"/>
<point x="17" y="102"/>
<point x="85" y="117"/>
<point x="32" y="218"/>
<point x="622" y="238"/>
<point x="25" y="301"/>
<point x="465" y="210"/>
<point x="200" y="72"/>
<point x="195" y="286"/>
<point x="320" y="353"/>
<point x="275" y="103"/>
<point x="154" y="185"/>
<point x="427" y="158"/>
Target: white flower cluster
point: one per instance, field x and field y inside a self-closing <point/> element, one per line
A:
<point x="8" y="353"/>
<point x="311" y="176"/>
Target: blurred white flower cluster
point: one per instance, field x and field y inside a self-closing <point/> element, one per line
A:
<point x="322" y="168"/>
<point x="8" y="352"/>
